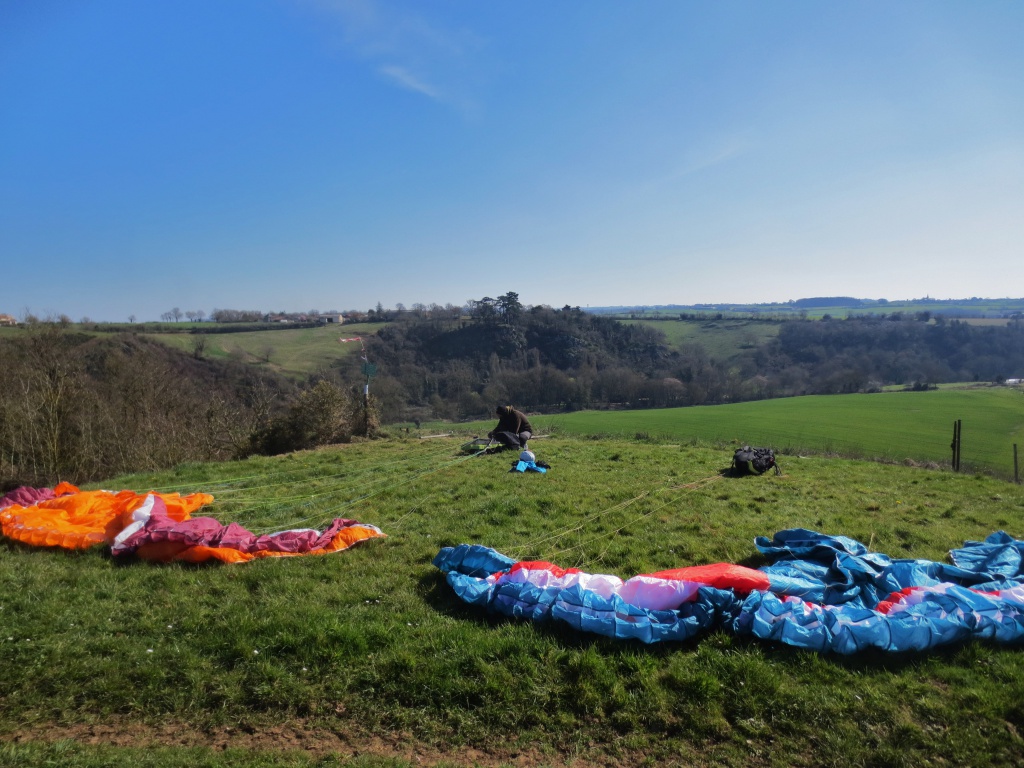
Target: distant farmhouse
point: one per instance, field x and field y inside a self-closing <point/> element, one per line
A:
<point x="285" y="318"/>
<point x="7" y="320"/>
<point x="303" y="317"/>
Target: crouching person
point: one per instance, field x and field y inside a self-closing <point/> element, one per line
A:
<point x="513" y="429"/>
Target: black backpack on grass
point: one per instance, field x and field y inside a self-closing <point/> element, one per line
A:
<point x="754" y="461"/>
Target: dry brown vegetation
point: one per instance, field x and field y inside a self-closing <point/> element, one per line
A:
<point x="78" y="408"/>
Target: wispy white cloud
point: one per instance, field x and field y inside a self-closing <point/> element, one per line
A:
<point x="709" y="156"/>
<point x="408" y="80"/>
<point x="412" y="52"/>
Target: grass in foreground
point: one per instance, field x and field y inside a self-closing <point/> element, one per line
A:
<point x="369" y="652"/>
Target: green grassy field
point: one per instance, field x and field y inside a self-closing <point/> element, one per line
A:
<point x="366" y="658"/>
<point x="294" y="351"/>
<point x="722" y="339"/>
<point x="892" y="426"/>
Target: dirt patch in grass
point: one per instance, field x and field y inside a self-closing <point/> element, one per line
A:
<point x="297" y="736"/>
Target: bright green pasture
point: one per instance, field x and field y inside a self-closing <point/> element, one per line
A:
<point x="293" y="351"/>
<point x="722" y="339"/>
<point x="1001" y="306"/>
<point x="888" y="425"/>
<point x="368" y="652"/>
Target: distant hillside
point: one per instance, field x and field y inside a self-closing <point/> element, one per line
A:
<point x="725" y="339"/>
<point x="836" y="306"/>
<point x="458" y="363"/>
<point x="825" y="301"/>
<point x="567" y="359"/>
<point x="536" y="358"/>
<point x="294" y="352"/>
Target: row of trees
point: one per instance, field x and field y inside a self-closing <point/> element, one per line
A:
<point x="175" y="315"/>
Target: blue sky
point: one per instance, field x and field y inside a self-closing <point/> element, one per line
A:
<point x="332" y="154"/>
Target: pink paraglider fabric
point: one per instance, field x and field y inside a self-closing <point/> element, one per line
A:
<point x="156" y="526"/>
<point x="155" y="535"/>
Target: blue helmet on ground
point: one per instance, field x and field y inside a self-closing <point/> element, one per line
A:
<point x="527" y="456"/>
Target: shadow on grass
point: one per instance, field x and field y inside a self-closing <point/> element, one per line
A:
<point x="434" y="589"/>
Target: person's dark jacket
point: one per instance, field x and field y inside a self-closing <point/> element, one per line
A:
<point x="511" y="420"/>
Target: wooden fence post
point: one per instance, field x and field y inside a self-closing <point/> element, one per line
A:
<point x="959" y="437"/>
<point x="955" y="445"/>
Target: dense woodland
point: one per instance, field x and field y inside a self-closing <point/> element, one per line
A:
<point x="564" y="359"/>
<point x="863" y="354"/>
<point x="80" y="407"/>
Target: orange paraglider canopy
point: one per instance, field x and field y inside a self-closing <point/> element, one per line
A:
<point x="157" y="526"/>
<point x="76" y="519"/>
